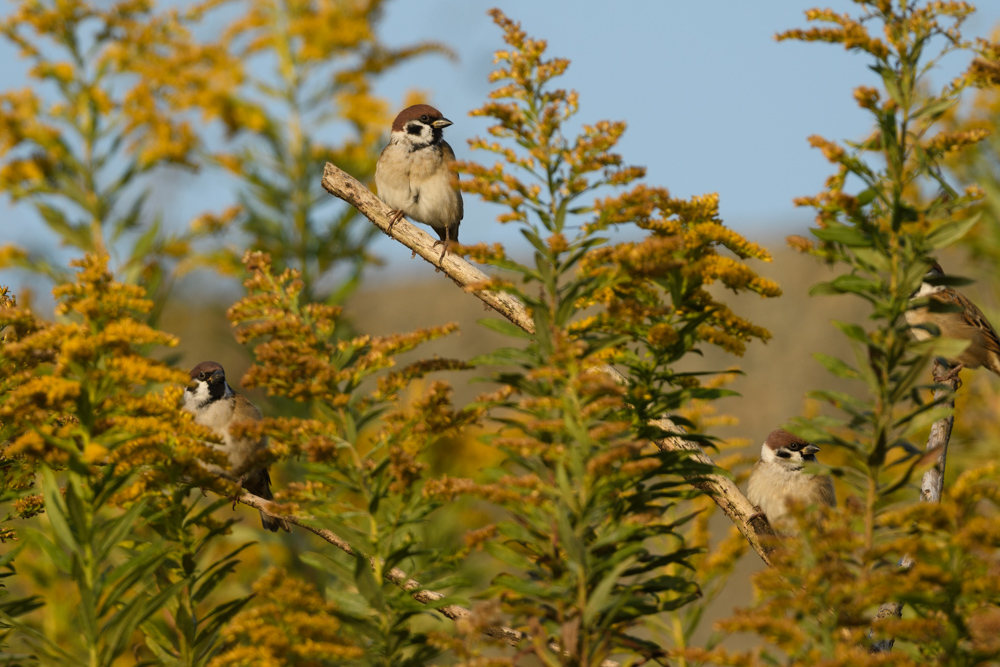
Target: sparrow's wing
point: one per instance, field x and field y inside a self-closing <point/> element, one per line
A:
<point x="752" y="483"/>
<point x="242" y="451"/>
<point x="825" y="493"/>
<point x="449" y="154"/>
<point x="244" y="410"/>
<point x="975" y="318"/>
<point x="449" y="157"/>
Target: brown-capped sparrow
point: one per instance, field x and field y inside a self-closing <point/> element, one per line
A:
<point x="413" y="176"/>
<point x="214" y="404"/>
<point x="779" y="475"/>
<point x="963" y="321"/>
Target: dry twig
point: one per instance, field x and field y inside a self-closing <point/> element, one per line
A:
<point x="931" y="488"/>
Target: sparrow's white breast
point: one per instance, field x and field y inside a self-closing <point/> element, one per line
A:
<point x="419" y="183"/>
<point x="771" y="484"/>
<point x="216" y="415"/>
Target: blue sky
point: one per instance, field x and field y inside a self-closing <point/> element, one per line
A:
<point x="713" y="103"/>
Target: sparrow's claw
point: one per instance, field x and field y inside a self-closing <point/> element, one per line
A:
<point x="394" y="217"/>
<point x="239" y="492"/>
<point x="444" y="249"/>
<point x="952" y="374"/>
<point x="753" y="516"/>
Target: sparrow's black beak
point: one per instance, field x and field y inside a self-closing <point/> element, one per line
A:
<point x="442" y="123"/>
<point x="808" y="450"/>
<point x="217" y="376"/>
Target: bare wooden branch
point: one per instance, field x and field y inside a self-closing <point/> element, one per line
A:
<point x="931" y="488"/>
<point x="343" y="185"/>
<point x="395" y="575"/>
<point x="719" y="487"/>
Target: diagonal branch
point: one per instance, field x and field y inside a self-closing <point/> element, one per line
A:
<point x="395" y="575"/>
<point x="754" y="526"/>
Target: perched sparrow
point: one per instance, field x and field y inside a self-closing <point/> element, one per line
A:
<point x="778" y="476"/>
<point x="964" y="322"/>
<point x="214" y="404"/>
<point x="413" y="177"/>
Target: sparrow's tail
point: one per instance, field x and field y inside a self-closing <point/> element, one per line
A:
<point x="272" y="524"/>
<point x="447" y="234"/>
<point x="269" y="522"/>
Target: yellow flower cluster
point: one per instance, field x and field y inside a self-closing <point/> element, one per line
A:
<point x="297" y="353"/>
<point x="85" y="389"/>
<point x="816" y="602"/>
<point x="851" y="33"/>
<point x="291" y="623"/>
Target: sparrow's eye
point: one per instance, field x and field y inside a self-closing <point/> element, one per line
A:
<point x="795" y="446"/>
<point x="424" y="118"/>
<point x="201" y="375"/>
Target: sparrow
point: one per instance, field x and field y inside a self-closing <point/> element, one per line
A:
<point x="214" y="404"/>
<point x="963" y="320"/>
<point x="778" y="476"/>
<point x="413" y="176"/>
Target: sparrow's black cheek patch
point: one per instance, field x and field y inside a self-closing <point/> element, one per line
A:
<point x="783" y="454"/>
<point x="414" y="129"/>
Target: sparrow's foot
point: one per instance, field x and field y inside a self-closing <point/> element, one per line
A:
<point x="753" y="516"/>
<point x="239" y="492"/>
<point x="950" y="375"/>
<point x="444" y="249"/>
<point x="394" y="216"/>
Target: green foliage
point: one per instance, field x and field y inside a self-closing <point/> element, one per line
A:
<point x="193" y="634"/>
<point x="588" y="538"/>
<point x="364" y="447"/>
<point x="818" y="602"/>
<point x="883" y="239"/>
<point x="84" y="409"/>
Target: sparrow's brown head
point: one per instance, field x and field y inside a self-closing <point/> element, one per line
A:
<point x="784" y="447"/>
<point x="411" y="118"/>
<point x="207" y="371"/>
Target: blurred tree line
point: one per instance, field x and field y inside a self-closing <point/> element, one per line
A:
<point x="580" y="538"/>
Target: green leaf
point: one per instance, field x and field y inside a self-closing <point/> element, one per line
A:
<point x="836" y="366"/>
<point x="891" y="83"/>
<point x="127" y="575"/>
<point x="505" y="327"/>
<point x="510" y="556"/>
<point x="55" y="510"/>
<point x="948" y="348"/>
<point x="866" y="196"/>
<point x="853" y="331"/>
<point x="76" y="235"/>
<point x="935" y="108"/>
<point x="947" y="234"/>
<point x="116" y="529"/>
<point x="922" y="418"/>
<point x="848" y="236"/>
<point x="364" y="579"/>
<point x="599" y="597"/>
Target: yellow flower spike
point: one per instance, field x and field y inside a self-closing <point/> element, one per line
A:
<point x="94" y="453"/>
